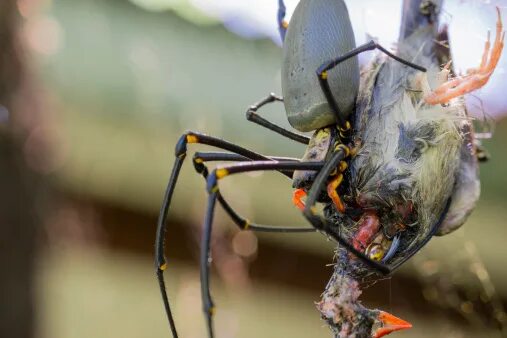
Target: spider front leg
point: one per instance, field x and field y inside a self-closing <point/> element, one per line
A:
<point x="477" y="77"/>
<point x="322" y="71"/>
<point x="243" y="224"/>
<point x="282" y="24"/>
<point x="213" y="193"/>
<point x="180" y="152"/>
<point x="252" y="116"/>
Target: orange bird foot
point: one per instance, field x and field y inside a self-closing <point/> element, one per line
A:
<point x="476" y="77"/>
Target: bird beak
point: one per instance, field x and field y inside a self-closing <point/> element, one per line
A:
<point x="390" y="323"/>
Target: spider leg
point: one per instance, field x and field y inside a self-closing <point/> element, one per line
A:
<point x="323" y="225"/>
<point x="282" y="24"/>
<point x="226" y="157"/>
<point x="251" y="115"/>
<point x="213" y="193"/>
<point x="180" y="152"/>
<point x="221" y="156"/>
<point x="241" y="222"/>
<point x="322" y="75"/>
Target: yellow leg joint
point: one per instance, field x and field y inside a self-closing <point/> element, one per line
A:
<point x="323" y="76"/>
<point x="214" y="189"/>
<point x="346" y="127"/>
<point x="192" y="139"/>
<point x="343" y="147"/>
<point x="198" y="160"/>
<point x="342" y="166"/>
<point x="163" y="267"/>
<point x="285" y="24"/>
<point x="221" y="173"/>
<point x="246" y="225"/>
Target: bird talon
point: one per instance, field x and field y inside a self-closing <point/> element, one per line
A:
<point x="476" y="77"/>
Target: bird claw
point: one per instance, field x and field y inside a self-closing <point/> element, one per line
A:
<point x="476" y="77"/>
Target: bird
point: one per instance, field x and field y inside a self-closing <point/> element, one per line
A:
<point x="414" y="170"/>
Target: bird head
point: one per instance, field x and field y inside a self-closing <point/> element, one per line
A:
<point x="347" y="317"/>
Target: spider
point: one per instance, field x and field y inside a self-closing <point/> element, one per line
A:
<point x="392" y="160"/>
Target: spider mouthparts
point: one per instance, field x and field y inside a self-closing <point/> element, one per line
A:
<point x="389" y="323"/>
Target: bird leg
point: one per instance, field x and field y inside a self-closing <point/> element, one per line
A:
<point x="476" y="77"/>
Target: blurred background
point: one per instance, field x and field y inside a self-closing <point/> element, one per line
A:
<point x="94" y="95"/>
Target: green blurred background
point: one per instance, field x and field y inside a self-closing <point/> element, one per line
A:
<point x="119" y="84"/>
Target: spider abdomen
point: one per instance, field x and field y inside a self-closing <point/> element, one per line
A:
<point x="319" y="30"/>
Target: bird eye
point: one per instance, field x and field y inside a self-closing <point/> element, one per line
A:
<point x="375" y="252"/>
